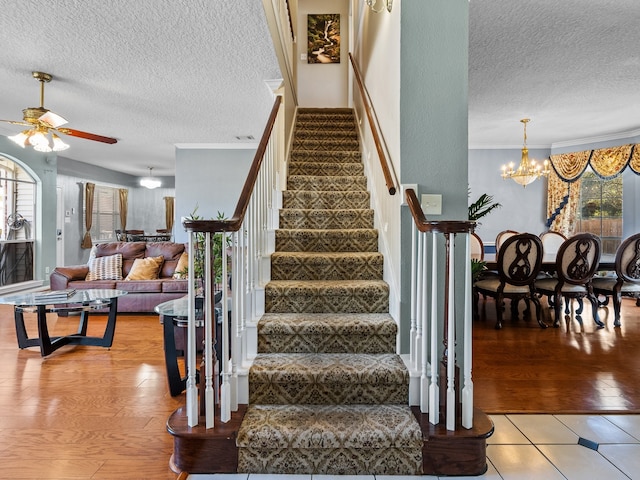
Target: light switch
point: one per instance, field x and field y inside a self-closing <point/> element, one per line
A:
<point x="431" y="204"/>
<point x="303" y="57"/>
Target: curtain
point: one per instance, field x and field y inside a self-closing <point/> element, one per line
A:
<point x="123" y="197"/>
<point x="169" y="211"/>
<point x="562" y="204"/>
<point x="607" y="163"/>
<point x="88" y="218"/>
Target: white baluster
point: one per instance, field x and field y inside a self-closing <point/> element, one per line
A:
<point x="191" y="387"/>
<point x="434" y="393"/>
<point x="424" y="321"/>
<point x="225" y="390"/>
<point x="420" y="269"/>
<point x="414" y="296"/>
<point x="467" y="390"/>
<point x="451" y="345"/>
<point x="208" y="337"/>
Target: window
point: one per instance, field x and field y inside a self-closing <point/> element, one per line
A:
<point x="106" y="214"/>
<point x="17" y="207"/>
<point x="600" y="210"/>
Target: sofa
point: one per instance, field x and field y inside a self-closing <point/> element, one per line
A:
<point x="150" y="273"/>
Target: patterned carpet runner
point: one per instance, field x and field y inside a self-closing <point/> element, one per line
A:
<point x="327" y="392"/>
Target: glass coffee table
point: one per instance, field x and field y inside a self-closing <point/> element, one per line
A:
<point x="83" y="302"/>
<point x="174" y="316"/>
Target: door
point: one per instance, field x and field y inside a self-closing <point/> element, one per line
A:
<point x="60" y="217"/>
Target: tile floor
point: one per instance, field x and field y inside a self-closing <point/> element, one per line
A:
<point x="549" y="447"/>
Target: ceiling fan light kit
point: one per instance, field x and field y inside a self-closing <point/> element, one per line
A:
<point x="150" y="182"/>
<point x="44" y="124"/>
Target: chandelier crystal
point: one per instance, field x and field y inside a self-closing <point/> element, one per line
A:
<point x="528" y="170"/>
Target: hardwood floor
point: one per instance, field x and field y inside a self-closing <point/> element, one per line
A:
<point x="94" y="413"/>
<point x="570" y="369"/>
<point x="86" y="412"/>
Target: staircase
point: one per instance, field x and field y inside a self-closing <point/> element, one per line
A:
<point x="327" y="392"/>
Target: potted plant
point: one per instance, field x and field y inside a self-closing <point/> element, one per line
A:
<point x="482" y="207"/>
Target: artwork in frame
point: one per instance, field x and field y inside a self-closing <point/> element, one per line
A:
<point x="323" y="38"/>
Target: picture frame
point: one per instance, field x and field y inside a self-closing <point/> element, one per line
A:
<point x="323" y="38"/>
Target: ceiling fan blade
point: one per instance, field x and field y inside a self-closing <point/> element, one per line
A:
<point x="52" y="119"/>
<point x="13" y="122"/>
<point x="86" y="135"/>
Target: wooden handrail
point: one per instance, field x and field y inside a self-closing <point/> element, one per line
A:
<point x="424" y="225"/>
<point x="233" y="224"/>
<point x="386" y="171"/>
<point x="293" y="36"/>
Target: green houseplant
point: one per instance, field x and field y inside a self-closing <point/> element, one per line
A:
<point x="217" y="252"/>
<point x="482" y="207"/>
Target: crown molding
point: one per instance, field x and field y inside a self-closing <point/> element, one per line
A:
<point x="217" y="146"/>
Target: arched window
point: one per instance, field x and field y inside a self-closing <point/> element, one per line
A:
<point x="17" y="209"/>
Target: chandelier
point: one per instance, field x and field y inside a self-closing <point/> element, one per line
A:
<point x="150" y="182"/>
<point x="528" y="170"/>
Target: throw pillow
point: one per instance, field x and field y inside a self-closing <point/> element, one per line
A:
<point x="145" y="268"/>
<point x="105" y="268"/>
<point x="182" y="266"/>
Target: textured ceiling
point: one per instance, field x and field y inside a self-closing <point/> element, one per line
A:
<point x="155" y="73"/>
<point x="572" y="66"/>
<point x="151" y="73"/>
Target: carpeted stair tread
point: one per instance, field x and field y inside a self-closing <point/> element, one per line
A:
<point x="328" y="132"/>
<point x="309" y="426"/>
<point x="327" y="296"/>
<point x="328" y="379"/>
<point x="322" y="240"/>
<point x="326" y="219"/>
<point x="326" y="168"/>
<point x="327" y="332"/>
<point x="330" y="183"/>
<point x="326" y="266"/>
<point x="324" y="144"/>
<point x="337" y="440"/>
<point x="325" y="200"/>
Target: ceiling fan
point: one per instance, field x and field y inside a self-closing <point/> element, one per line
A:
<point x="45" y="125"/>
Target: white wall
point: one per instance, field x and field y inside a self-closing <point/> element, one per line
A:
<point x="211" y="179"/>
<point x="323" y="85"/>
<point x="523" y="209"/>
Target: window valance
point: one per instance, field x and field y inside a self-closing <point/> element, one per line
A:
<point x="605" y="162"/>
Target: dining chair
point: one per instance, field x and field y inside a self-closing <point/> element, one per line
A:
<point x="502" y="237"/>
<point x="551" y="242"/>
<point x="627" y="279"/>
<point x="576" y="264"/>
<point x="477" y="247"/>
<point x="519" y="261"/>
<point x="133" y="235"/>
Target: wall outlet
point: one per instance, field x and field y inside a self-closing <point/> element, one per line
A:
<point x="46" y="269"/>
<point x="431" y="204"/>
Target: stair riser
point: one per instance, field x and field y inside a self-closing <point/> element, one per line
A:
<point x="320" y="300"/>
<point x="362" y="240"/>
<point x="328" y="379"/>
<point x="326" y="219"/>
<point x="320" y="343"/>
<point x="325" y="200"/>
<point x="335" y="462"/>
<point x="314" y="183"/>
<point x="292" y="267"/>
<point x="332" y="157"/>
<point x="326" y="169"/>
<point x="326" y="132"/>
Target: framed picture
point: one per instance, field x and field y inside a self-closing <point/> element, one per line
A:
<point x="323" y="38"/>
